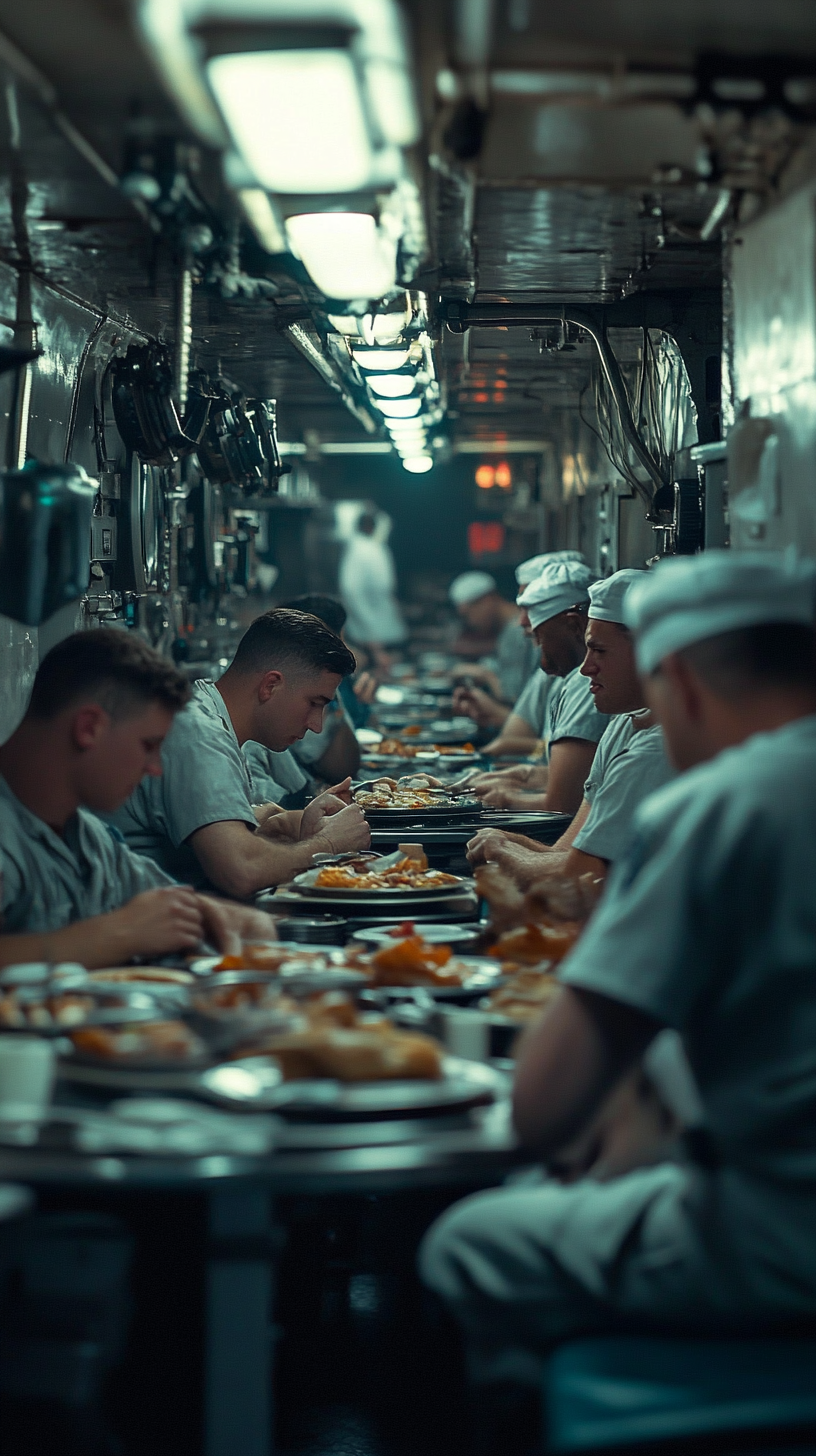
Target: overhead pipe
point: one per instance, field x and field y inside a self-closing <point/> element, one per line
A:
<point x="462" y="316"/>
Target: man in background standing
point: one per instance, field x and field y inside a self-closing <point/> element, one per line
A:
<point x="367" y="585"/>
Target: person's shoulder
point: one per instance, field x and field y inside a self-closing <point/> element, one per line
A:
<point x="769" y="774"/>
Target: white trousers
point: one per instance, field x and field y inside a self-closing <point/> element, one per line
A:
<point x="523" y="1267"/>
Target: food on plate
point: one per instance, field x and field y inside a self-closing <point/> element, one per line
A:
<point x="394" y="748"/>
<point x="407" y="874"/>
<point x="529" y="945"/>
<point x="452" y="751"/>
<point x="143" y="973"/>
<point x="384" y="796"/>
<point x="412" y="729"/>
<point x="20" y="1009"/>
<point x="160" y="1041"/>
<point x="256" y="956"/>
<point x="413" y="962"/>
<point x="241" y="996"/>
<point x="523" y="995"/>
<point x="336" y="1042"/>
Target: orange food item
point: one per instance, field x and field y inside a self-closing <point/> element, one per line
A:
<point x="533" y="943"/>
<point x="392" y="746"/>
<point x="407" y="874"/>
<point x="167" y="1041"/>
<point x="412" y="730"/>
<point x="413" y="962"/>
<point x="230" y="963"/>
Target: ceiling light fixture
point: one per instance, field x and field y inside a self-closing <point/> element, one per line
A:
<point x="418" y="464"/>
<point x="296" y="117"/>
<point x="387" y="359"/>
<point x="392" y="386"/>
<point x="399" y="409"/>
<point x="345" y="253"/>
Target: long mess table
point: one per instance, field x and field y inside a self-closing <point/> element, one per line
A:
<point x="230" y="1233"/>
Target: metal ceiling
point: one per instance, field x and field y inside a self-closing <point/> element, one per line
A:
<point x="594" y="197"/>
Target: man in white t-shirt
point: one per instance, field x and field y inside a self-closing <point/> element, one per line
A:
<point x="707" y="926"/>
<point x="629" y="765"/>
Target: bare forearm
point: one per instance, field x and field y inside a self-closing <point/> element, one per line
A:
<point x="569" y="1061"/>
<point x="104" y="940"/>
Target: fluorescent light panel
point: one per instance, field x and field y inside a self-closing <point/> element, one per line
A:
<point x="392" y="386"/>
<point x="399" y="409"/>
<point x="382" y="359"/>
<point x="296" y="117"/>
<point x="345" y="253"/>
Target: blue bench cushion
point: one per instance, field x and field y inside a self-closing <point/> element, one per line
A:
<point x="621" y="1391"/>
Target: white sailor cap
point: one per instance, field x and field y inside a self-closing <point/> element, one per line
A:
<point x="689" y="598"/>
<point x="606" y="597"/>
<point x="533" y="567"/>
<point x="470" y="586"/>
<point x="561" y="585"/>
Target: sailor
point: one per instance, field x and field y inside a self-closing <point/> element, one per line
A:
<point x="521" y="729"/>
<point x="487" y="614"/>
<point x="708" y="925"/>
<point x="630" y="763"/>
<point x="70" y="890"/>
<point x="334" y="752"/>
<point x="197" y="820"/>
<point x="557" y="603"/>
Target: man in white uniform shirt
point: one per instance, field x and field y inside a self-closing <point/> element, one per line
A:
<point x="708" y="925"/>
<point x="521" y="728"/>
<point x="629" y="765"/>
<point x="556" y="604"/>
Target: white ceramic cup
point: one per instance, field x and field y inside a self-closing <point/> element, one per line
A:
<point x="26" y="1078"/>
<point x="466" y="1033"/>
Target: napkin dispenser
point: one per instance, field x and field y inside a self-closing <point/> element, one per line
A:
<point x="45" y="524"/>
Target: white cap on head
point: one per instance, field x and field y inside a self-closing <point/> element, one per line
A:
<point x="469" y="587"/>
<point x="606" y="597"/>
<point x="689" y="598"/>
<point x="533" y="567"/>
<point x="561" y="585"/>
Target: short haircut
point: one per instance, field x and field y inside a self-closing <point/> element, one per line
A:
<point x="115" y="669"/>
<point x="329" y="609"/>
<point x="367" y="523"/>
<point x="771" y="655"/>
<point x="298" y="640"/>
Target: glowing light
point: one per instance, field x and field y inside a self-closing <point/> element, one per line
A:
<point x="392" y="386"/>
<point x="297" y="118"/>
<point x="345" y="253"/>
<point x="381" y="358"/>
<point x="400" y="409"/>
<point x="485" y="477"/>
<point x="504" y="475"/>
<point x="418" y="464"/>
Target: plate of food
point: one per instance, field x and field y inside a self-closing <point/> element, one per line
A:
<point x="306" y="970"/>
<point x="378" y="935"/>
<point x="414" y="962"/>
<point x="458" y="1087"/>
<point x="340" y="1065"/>
<point x="152" y="1055"/>
<point x="393" y="876"/>
<point x="391" y="748"/>
<point x="388" y="800"/>
<point x="52" y="1011"/>
<point x="142" y="976"/>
